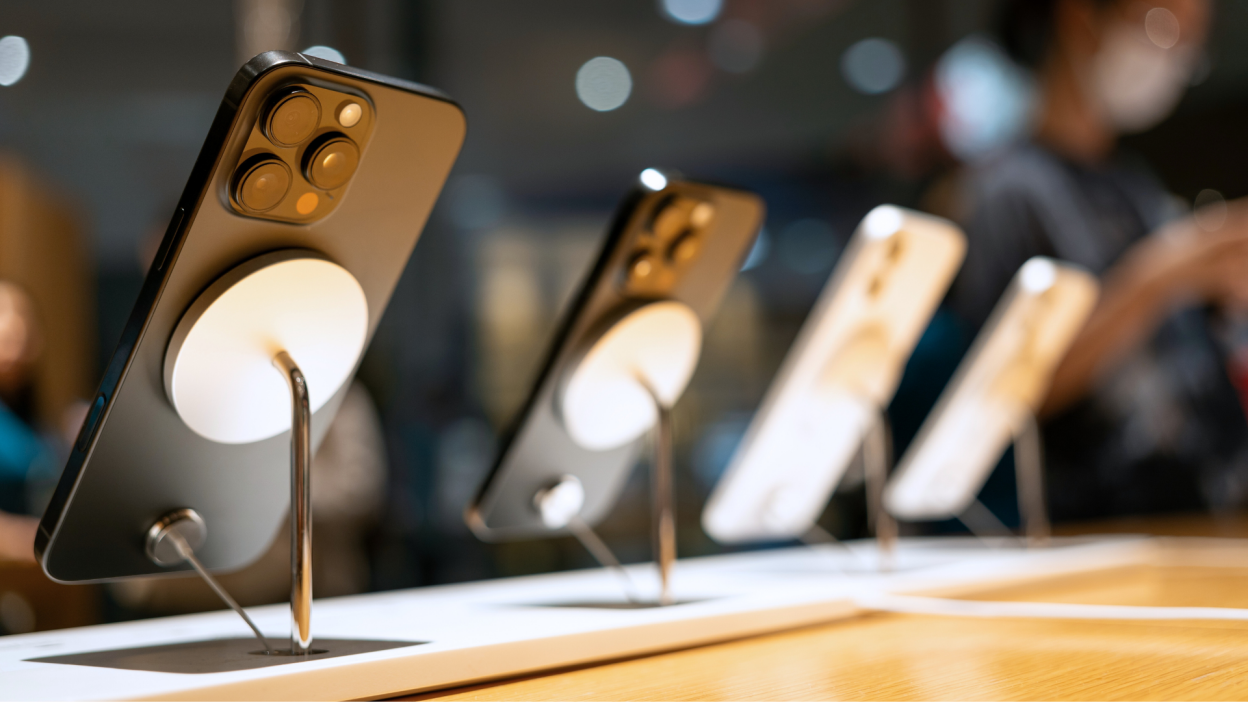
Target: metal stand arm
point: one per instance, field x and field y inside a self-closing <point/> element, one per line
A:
<point x="169" y="542"/>
<point x="1029" y="474"/>
<point x="662" y="502"/>
<point x="877" y="459"/>
<point x="300" y="506"/>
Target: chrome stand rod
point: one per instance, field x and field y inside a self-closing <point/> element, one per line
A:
<point x="300" y="506"/>
<point x="1029" y="474"/>
<point x="877" y="460"/>
<point x="662" y="507"/>
<point x="602" y="553"/>
<point x="173" y="538"/>
<point x="188" y="554"/>
<point x="662" y="503"/>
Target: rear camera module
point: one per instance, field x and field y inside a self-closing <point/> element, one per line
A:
<point x="332" y="163"/>
<point x="261" y="184"/>
<point x="293" y="119"/>
<point x="303" y="148"/>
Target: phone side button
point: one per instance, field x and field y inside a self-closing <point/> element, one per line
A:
<point x="171" y="238"/>
<point x="89" y="426"/>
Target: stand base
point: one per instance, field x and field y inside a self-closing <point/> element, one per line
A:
<point x="504" y="628"/>
<point x="216" y="655"/>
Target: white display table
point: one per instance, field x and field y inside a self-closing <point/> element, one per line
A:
<point x="495" y="629"/>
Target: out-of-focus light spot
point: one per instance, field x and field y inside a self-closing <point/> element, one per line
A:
<point x="476" y="201"/>
<point x="679" y="77"/>
<point x="1162" y="27"/>
<point x="758" y="252"/>
<point x="736" y="46"/>
<point x="691" y="11"/>
<point x="1210" y="210"/>
<point x="16" y="614"/>
<point x="1038" y="275"/>
<point x="807" y="246"/>
<point x="14" y="59"/>
<point x="873" y="66"/>
<point x="654" y="180"/>
<point x="328" y="53"/>
<point x="603" y="84"/>
<point x="987" y="99"/>
<point x="1202" y="66"/>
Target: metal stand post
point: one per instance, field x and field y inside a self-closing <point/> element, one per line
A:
<point x="174" y="538"/>
<point x="1029" y="474"/>
<point x="560" y="505"/>
<point x="300" y="506"/>
<point x="662" y="502"/>
<point x="877" y="459"/>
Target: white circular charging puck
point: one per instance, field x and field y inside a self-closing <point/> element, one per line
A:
<point x="608" y="396"/>
<point x="219" y="371"/>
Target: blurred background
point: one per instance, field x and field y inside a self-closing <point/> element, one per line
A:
<point x="825" y="107"/>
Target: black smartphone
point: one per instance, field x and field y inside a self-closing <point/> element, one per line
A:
<point x="670" y="239"/>
<point x="303" y="154"/>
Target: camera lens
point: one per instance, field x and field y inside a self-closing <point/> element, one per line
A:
<point x="293" y="119"/>
<point x="260" y="186"/>
<point x="332" y="163"/>
<point x="684" y="248"/>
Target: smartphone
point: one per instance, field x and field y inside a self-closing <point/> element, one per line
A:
<point x="838" y="376"/>
<point x="670" y="239"/>
<point x="1003" y="379"/>
<point x="303" y="154"/>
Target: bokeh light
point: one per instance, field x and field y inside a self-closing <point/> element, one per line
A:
<point x="603" y="84"/>
<point x="873" y="66"/>
<point x="691" y="11"/>
<point x="736" y="46"/>
<point x="808" y="246"/>
<point x="1162" y="27"/>
<point x="14" y="59"/>
<point x="987" y="99"/>
<point x="328" y="53"/>
<point x="653" y="179"/>
<point x="1210" y="210"/>
<point x="758" y="253"/>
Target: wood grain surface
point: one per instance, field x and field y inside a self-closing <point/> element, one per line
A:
<point x="903" y="657"/>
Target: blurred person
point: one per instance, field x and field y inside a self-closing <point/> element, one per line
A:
<point x="1142" y="416"/>
<point x="21" y="449"/>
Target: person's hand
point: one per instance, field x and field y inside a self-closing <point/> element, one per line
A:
<point x="17" y="538"/>
<point x="1204" y="256"/>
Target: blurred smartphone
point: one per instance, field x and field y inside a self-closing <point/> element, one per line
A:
<point x="1004" y="377"/>
<point x="839" y="375"/>
<point x="303" y="154"/>
<point x="681" y="241"/>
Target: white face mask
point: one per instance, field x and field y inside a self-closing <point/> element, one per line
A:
<point x="1136" y="83"/>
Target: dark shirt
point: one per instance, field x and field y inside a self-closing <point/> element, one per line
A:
<point x="1161" y="431"/>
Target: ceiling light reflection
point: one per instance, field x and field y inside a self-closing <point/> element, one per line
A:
<point x="691" y="11"/>
<point x="873" y="66"/>
<point x="328" y="53"/>
<point x="603" y="84"/>
<point x="14" y="59"/>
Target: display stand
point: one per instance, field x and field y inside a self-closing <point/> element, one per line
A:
<point x="300" y="506"/>
<point x="625" y="382"/>
<point x="219" y="367"/>
<point x="877" y="463"/>
<point x="1029" y="477"/>
<point x="475" y="632"/>
<point x="1029" y="474"/>
<point x="662" y="500"/>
